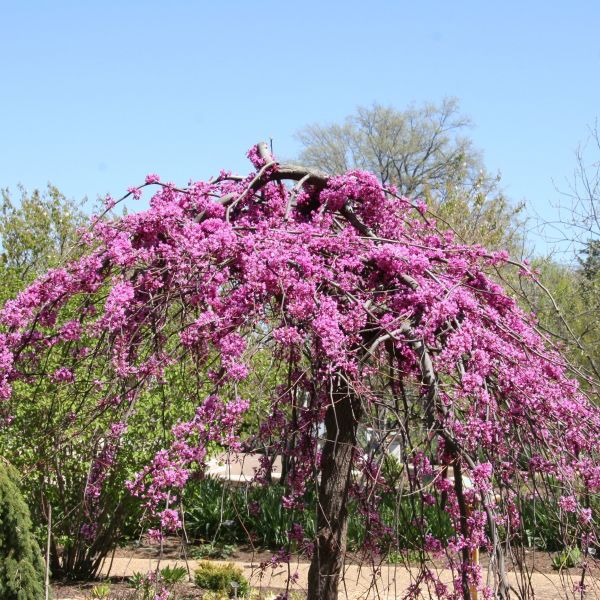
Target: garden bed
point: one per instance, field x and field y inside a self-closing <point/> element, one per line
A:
<point x="127" y="560"/>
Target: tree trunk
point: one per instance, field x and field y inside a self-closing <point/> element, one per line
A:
<point x="341" y="421"/>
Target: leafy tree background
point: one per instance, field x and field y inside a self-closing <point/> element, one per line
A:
<point x="426" y="153"/>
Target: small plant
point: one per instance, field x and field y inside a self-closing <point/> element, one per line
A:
<point x="394" y="557"/>
<point x="151" y="585"/>
<point x="138" y="580"/>
<point x="170" y="576"/>
<point x="218" y="578"/>
<point x="212" y="550"/>
<point x="145" y="585"/>
<point x="567" y="559"/>
<point x="100" y="591"/>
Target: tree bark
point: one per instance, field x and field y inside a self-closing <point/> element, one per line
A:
<point x="341" y="422"/>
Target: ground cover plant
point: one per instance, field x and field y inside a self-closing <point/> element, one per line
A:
<point x="382" y="335"/>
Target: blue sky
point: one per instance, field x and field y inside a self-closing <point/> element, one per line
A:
<point x="98" y="94"/>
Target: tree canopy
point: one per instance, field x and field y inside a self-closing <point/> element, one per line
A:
<point x="425" y="152"/>
<point x="379" y="320"/>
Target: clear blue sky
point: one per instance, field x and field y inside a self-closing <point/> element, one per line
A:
<point x="97" y="94"/>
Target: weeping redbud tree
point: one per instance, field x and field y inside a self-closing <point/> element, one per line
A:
<point x="389" y="333"/>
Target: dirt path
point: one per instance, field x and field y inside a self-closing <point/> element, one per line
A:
<point x="390" y="583"/>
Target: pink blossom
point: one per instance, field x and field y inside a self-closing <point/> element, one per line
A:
<point x="63" y="375"/>
<point x="482" y="474"/>
<point x="287" y="336"/>
<point x="71" y="331"/>
<point x="568" y="503"/>
<point x="164" y="594"/>
<point x="585" y="516"/>
<point x="169" y="519"/>
<point x="136" y="192"/>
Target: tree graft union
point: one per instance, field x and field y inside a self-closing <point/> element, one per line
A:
<point x="379" y="318"/>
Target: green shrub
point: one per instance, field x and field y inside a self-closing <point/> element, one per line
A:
<point x="21" y="565"/>
<point x="137" y="580"/>
<point x="567" y="559"/>
<point x="218" y="578"/>
<point x="170" y="576"/>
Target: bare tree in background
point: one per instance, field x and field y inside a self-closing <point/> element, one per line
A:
<point x="583" y="231"/>
<point x="572" y="272"/>
<point x="581" y="214"/>
<point x="419" y="150"/>
<point x="424" y="152"/>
